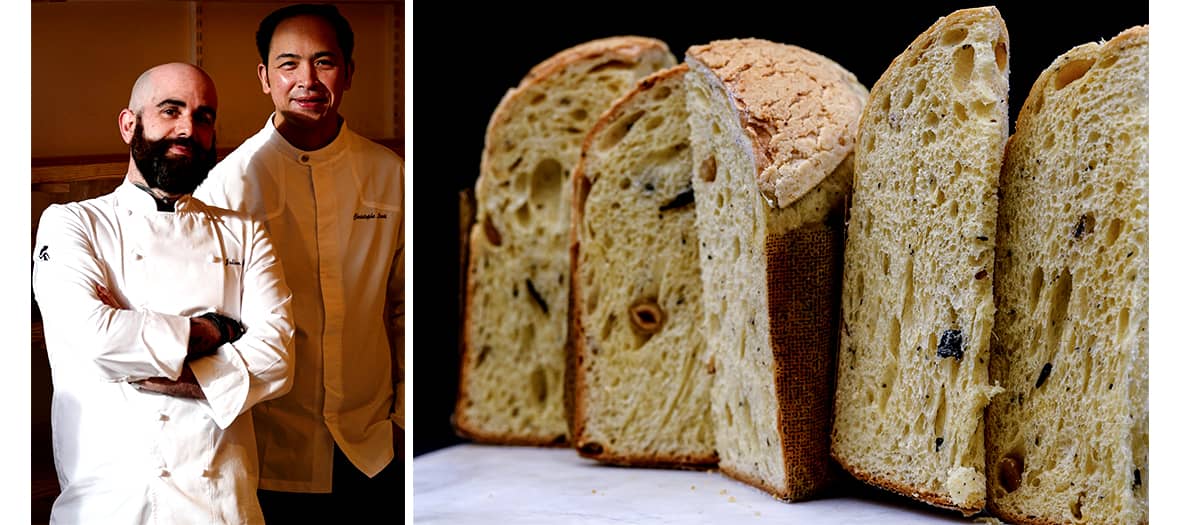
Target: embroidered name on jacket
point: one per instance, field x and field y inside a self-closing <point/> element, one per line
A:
<point x="370" y="215"/>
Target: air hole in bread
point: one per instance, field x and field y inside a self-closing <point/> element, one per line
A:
<point x="1037" y="102"/>
<point x="920" y="87"/>
<point x="653" y="123"/>
<point x="954" y="209"/>
<point x="624" y="183"/>
<point x="1050" y="139"/>
<point x="1059" y="307"/>
<point x="708" y="169"/>
<point x="619" y="129"/>
<point x="662" y="93"/>
<point x="537" y="99"/>
<point x="523" y="213"/>
<point x="885" y="263"/>
<point x="1034" y="286"/>
<point x="906" y="100"/>
<point x="1070" y="72"/>
<point x="940" y="414"/>
<point x="890" y="373"/>
<point x="539" y="385"/>
<point x="490" y="231"/>
<point x="953" y="37"/>
<point x="1113" y="231"/>
<point x="931" y="118"/>
<point x="546" y="182"/>
<point x="1075" y="508"/>
<point x="927" y="137"/>
<point x="612" y="64"/>
<point x="870" y="143"/>
<point x="578" y="114"/>
<point x="1108" y="61"/>
<point x="482" y="355"/>
<point x="964" y="66"/>
<point x="1001" y="50"/>
<point x="983" y="109"/>
<point x="960" y="111"/>
<point x="907" y="293"/>
<point x="1124" y="321"/>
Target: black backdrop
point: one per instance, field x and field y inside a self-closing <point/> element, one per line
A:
<point x="465" y="58"/>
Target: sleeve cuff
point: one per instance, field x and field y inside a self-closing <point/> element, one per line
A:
<point x="225" y="382"/>
<point x="166" y="337"/>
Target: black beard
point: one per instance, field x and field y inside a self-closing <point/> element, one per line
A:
<point x="172" y="175"/>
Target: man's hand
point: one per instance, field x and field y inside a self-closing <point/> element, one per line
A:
<point x="185" y="386"/>
<point x="108" y="298"/>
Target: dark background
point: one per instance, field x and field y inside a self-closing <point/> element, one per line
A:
<point x="455" y="94"/>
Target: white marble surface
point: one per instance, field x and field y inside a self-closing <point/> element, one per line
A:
<point x="476" y="484"/>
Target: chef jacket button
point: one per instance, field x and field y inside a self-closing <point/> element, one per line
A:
<point x="164" y="473"/>
<point x="303" y="158"/>
<point x="163" y="417"/>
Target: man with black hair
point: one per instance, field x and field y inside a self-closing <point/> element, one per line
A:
<point x="333" y="202"/>
<point x="165" y="321"/>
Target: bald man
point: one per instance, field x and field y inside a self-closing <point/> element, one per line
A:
<point x="165" y="320"/>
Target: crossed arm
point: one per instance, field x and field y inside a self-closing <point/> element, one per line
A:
<point x="203" y="339"/>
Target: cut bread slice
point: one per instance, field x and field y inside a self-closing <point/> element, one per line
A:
<point x="1067" y="440"/>
<point x="773" y="129"/>
<point x="641" y="387"/>
<point x="512" y="367"/>
<point x="912" y="382"/>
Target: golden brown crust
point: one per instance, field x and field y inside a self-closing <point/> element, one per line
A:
<point x="610" y="115"/>
<point x="1135" y="36"/>
<point x="628" y="50"/>
<point x="931" y="498"/>
<point x="799" y="109"/>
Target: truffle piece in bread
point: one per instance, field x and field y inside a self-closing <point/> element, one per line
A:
<point x="641" y="392"/>
<point x="512" y="368"/>
<point x="1067" y="440"/>
<point x="912" y="382"/>
<point x="773" y="129"/>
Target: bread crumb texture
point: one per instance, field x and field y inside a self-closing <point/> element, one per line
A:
<point x="912" y="380"/>
<point x="642" y="380"/>
<point x="513" y="363"/>
<point x="1067" y="440"/>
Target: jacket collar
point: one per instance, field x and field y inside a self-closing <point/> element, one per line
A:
<point x="325" y="154"/>
<point x="135" y="199"/>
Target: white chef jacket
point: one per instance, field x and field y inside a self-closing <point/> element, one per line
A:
<point x="336" y="217"/>
<point x="126" y="456"/>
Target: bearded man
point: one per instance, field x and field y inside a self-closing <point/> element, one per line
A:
<point x="165" y="320"/>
